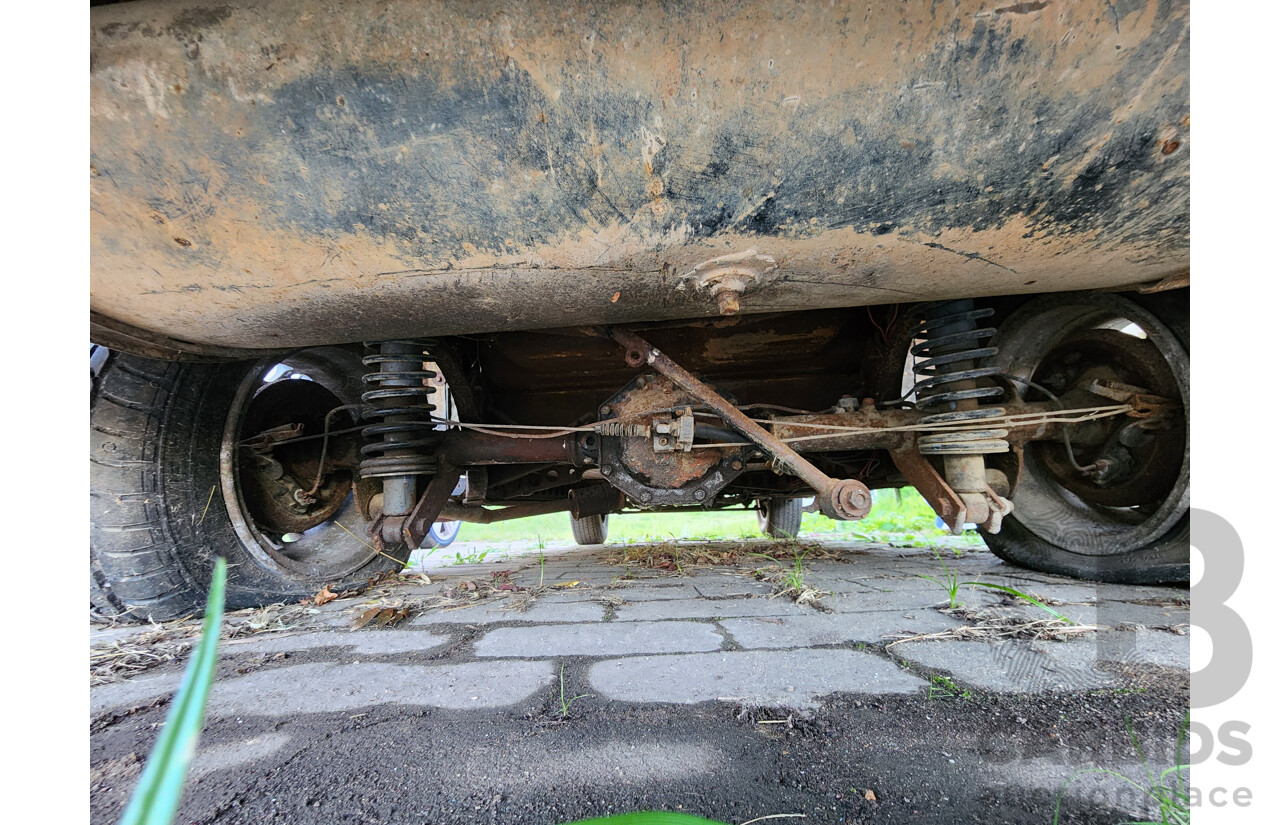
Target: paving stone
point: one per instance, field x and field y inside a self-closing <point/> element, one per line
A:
<point x="1116" y="615"/>
<point x="899" y="583"/>
<point x="328" y="688"/>
<point x="1144" y="646"/>
<point x="708" y="609"/>
<point x="827" y="629"/>
<point x="369" y="642"/>
<point x="868" y="602"/>
<point x="1015" y="666"/>
<point x="514" y="764"/>
<point x="794" y="679"/>
<point x="586" y="576"/>
<point x="540" y="611"/>
<point x="739" y="585"/>
<point x="646" y="591"/>
<point x="882" y="584"/>
<point x="556" y="571"/>
<point x="1071" y="594"/>
<point x="599" y="639"/>
<point x="226" y="755"/>
<point x="133" y="692"/>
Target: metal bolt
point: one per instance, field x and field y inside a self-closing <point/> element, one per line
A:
<point x="728" y="302"/>
<point x="606" y="409"/>
<point x="607" y="470"/>
<point x="699" y="494"/>
<point x="641" y="382"/>
<point x="662" y="441"/>
<point x="737" y="464"/>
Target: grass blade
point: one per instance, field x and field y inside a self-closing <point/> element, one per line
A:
<point x="155" y="800"/>
<point x="1019" y="594"/>
<point x="650" y="818"/>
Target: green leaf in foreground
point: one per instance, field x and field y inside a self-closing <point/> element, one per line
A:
<point x="155" y="800"/>
<point x="650" y="818"/>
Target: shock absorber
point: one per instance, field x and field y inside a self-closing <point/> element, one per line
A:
<point x="951" y="344"/>
<point x="401" y="446"/>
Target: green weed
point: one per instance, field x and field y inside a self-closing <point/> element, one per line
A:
<point x="942" y="687"/>
<point x="951" y="583"/>
<point x="565" y="704"/>
<point x="794" y="579"/>
<point x="470" y="558"/>
<point x="1169" y="789"/>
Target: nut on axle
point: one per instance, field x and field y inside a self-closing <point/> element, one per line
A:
<point x="845" y="500"/>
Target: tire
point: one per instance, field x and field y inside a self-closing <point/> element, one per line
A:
<point x="103" y="606"/>
<point x="780" y="518"/>
<point x="1055" y="530"/>
<point x="161" y="439"/>
<point x="590" y="530"/>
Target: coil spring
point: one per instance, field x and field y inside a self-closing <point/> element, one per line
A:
<point x="404" y="440"/>
<point x="617" y="428"/>
<point x="950" y="343"/>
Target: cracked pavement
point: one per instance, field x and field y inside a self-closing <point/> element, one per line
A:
<point x="702" y="692"/>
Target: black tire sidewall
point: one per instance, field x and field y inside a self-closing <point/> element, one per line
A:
<point x="196" y="511"/>
<point x="1165" y="560"/>
<point x="590" y="530"/>
<point x="781" y="517"/>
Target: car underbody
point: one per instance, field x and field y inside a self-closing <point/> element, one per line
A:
<point x="375" y="266"/>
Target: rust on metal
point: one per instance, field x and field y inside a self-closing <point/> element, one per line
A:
<point x="929" y="483"/>
<point x="471" y="514"/>
<point x="595" y="500"/>
<point x="839" y="499"/>
<point x="653" y="397"/>
<point x="427" y="510"/>
<point x="727" y="277"/>
<point x="475" y="449"/>
<point x="883" y="423"/>
<point x="562" y="164"/>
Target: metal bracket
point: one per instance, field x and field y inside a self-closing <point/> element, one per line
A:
<point x="428" y="508"/>
<point x="1145" y="405"/>
<point x="670" y="434"/>
<point x="946" y="502"/>
<point x="930" y="484"/>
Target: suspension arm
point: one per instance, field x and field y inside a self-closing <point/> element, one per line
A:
<point x="477" y="449"/>
<point x="841" y="499"/>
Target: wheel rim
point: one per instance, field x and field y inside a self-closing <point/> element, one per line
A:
<point x="1039" y="342"/>
<point x="444" y="532"/>
<point x="325" y="539"/>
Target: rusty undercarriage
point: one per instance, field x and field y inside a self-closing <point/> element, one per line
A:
<point x="667" y="439"/>
<point x="374" y="265"/>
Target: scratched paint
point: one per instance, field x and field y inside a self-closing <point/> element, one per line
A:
<point x="291" y="173"/>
